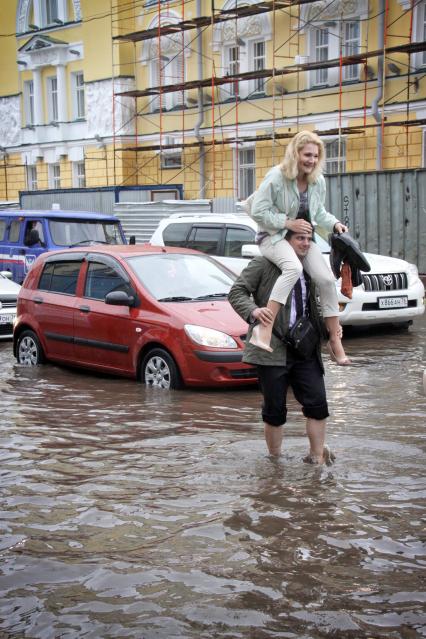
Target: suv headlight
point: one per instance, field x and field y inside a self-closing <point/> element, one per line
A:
<point x="413" y="274"/>
<point x="209" y="337"/>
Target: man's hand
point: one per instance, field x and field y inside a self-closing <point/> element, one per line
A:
<point x="340" y="228"/>
<point x="298" y="226"/>
<point x="263" y="315"/>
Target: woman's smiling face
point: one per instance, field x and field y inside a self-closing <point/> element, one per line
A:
<point x="308" y="159"/>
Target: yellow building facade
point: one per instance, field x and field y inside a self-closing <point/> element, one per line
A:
<point x="150" y="93"/>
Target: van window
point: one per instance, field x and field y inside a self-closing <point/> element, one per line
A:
<point x="2" y="229"/>
<point x="60" y="277"/>
<point x="34" y="234"/>
<point x="235" y="238"/>
<point x="14" y="231"/>
<point x="176" y="234"/>
<point x="68" y="232"/>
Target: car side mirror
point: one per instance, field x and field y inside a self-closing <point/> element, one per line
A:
<point x="7" y="274"/>
<point x="132" y="239"/>
<point x="250" y="250"/>
<point x="119" y="298"/>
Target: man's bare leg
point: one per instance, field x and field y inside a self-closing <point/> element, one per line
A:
<point x="315" y="430"/>
<point x="273" y="438"/>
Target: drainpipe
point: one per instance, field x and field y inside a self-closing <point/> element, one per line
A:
<point x="375" y="105"/>
<point x="200" y="105"/>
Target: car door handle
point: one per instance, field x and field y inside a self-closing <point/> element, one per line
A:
<point x="38" y="300"/>
<point x="84" y="309"/>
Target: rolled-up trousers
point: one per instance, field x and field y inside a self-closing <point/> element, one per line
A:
<point x="283" y="255"/>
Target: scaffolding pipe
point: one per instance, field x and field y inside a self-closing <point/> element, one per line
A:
<point x="200" y="120"/>
<point x="375" y="105"/>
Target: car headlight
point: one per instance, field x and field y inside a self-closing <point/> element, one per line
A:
<point x="413" y="274"/>
<point x="209" y="337"/>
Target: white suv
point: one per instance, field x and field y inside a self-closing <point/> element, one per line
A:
<point x="391" y="293"/>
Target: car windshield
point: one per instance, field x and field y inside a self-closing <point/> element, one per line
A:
<point x="179" y="278"/>
<point x="68" y="232"/>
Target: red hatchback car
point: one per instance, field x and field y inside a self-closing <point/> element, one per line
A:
<point x="154" y="313"/>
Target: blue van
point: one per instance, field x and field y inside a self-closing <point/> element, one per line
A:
<point x="24" y="235"/>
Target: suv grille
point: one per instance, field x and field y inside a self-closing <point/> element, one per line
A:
<point x="385" y="282"/>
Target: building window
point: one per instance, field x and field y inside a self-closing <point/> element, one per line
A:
<point x="335" y="155"/>
<point x="32" y="178"/>
<point x="79" y="174"/>
<point x="171" y="160"/>
<point x="423" y="9"/>
<point x="247" y="173"/>
<point x="165" y="71"/>
<point x="232" y="68"/>
<point x="325" y="45"/>
<point x="78" y="95"/>
<point x="29" y="102"/>
<point x="321" y="54"/>
<point x="242" y="45"/>
<point x="54" y="176"/>
<point x="50" y="12"/>
<point x="52" y="98"/>
<point x="419" y="32"/>
<point x="259" y="65"/>
<point x="351" y="46"/>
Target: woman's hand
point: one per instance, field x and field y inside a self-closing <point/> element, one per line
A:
<point x="298" y="226"/>
<point x="340" y="228"/>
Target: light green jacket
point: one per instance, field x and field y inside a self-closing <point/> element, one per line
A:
<point x="277" y="199"/>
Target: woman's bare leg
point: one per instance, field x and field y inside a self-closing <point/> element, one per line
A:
<point x="335" y="347"/>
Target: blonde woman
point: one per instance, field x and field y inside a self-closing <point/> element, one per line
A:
<point x="292" y="197"/>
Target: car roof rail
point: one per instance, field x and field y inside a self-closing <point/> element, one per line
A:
<point x="208" y="214"/>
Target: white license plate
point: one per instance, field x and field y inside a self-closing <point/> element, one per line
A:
<point x="7" y="319"/>
<point x="393" y="302"/>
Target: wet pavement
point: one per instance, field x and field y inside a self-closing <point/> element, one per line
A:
<point x="135" y="512"/>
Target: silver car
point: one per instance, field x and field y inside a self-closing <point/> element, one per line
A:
<point x="8" y="298"/>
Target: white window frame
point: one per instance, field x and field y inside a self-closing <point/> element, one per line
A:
<point x="324" y="44"/>
<point x="334" y="165"/>
<point x="170" y="68"/>
<point x="29" y="102"/>
<point x="419" y="33"/>
<point x="79" y="174"/>
<point x="171" y="160"/>
<point x="52" y="98"/>
<point x="242" y="57"/>
<point x="232" y="67"/>
<point x="246" y="171"/>
<point x="351" y="46"/>
<point x="54" y="173"/>
<point x="78" y="95"/>
<point x="32" y="182"/>
<point x="258" y="57"/>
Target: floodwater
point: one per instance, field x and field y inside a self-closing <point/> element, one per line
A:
<point x="135" y="512"/>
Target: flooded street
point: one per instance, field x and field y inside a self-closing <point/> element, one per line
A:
<point x="135" y="512"/>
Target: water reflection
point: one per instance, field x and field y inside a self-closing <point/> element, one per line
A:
<point x="133" y="512"/>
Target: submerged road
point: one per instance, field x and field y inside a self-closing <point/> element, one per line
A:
<point x="135" y="512"/>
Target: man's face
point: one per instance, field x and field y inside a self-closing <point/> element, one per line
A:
<point x="301" y="243"/>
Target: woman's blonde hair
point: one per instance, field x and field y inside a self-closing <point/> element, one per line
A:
<point x="289" y="165"/>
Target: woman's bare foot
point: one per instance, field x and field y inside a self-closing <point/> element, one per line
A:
<point x="261" y="338"/>
<point x="337" y="352"/>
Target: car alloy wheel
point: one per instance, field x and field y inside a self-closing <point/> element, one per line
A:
<point x="159" y="369"/>
<point x="30" y="352"/>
